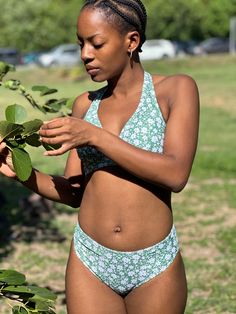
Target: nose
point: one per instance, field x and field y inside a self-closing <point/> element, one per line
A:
<point x="86" y="54"/>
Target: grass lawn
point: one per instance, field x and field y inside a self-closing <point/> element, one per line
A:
<point x="204" y="211"/>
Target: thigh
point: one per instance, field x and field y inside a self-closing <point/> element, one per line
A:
<point x="164" y="294"/>
<point x="86" y="294"/>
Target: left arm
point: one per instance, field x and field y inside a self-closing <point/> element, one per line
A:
<point x="170" y="169"/>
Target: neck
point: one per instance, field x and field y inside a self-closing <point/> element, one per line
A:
<point x="126" y="81"/>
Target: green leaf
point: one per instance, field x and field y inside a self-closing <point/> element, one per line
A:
<point x="5" y="68"/>
<point x="22" y="163"/>
<point x="15" y="309"/>
<point x="52" y="106"/>
<point x="70" y="103"/>
<point x="11" y="277"/>
<point x="31" y="127"/>
<point x="33" y="140"/>
<point x="19" y="310"/>
<point x="15" y="113"/>
<point x="8" y="129"/>
<point x="19" y="142"/>
<point x="43" y="292"/>
<point x="41" y="304"/>
<point x="12" y="84"/>
<point x="17" y="290"/>
<point x="44" y="90"/>
<point x="50" y="146"/>
<point x="60" y="102"/>
<point x="12" y="143"/>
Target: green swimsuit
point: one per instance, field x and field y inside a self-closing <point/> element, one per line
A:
<point x="145" y="129"/>
<point x="125" y="271"/>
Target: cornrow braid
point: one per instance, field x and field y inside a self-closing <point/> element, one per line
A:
<point x="127" y="15"/>
<point x="136" y="7"/>
<point x="129" y="19"/>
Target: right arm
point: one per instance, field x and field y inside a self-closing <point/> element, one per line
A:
<point x="67" y="189"/>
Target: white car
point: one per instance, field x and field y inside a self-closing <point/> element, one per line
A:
<point x="63" y="55"/>
<point x="155" y="49"/>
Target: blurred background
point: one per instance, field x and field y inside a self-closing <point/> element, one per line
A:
<point x="43" y="32"/>
<point x="195" y="37"/>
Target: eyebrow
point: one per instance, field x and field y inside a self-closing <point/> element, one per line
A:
<point x="89" y="38"/>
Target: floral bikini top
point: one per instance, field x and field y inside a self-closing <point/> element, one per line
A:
<point x="145" y="128"/>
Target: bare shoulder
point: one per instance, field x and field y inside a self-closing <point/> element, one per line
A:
<point x="177" y="87"/>
<point x="83" y="102"/>
<point x="176" y="81"/>
<point x="182" y="83"/>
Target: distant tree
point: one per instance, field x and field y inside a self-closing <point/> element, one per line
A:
<point x="38" y="25"/>
<point x="215" y="17"/>
<point x="184" y="19"/>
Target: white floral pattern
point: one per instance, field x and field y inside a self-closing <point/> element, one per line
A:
<point x="124" y="271"/>
<point x="145" y="129"/>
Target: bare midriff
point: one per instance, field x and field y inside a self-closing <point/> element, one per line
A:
<point x="123" y="212"/>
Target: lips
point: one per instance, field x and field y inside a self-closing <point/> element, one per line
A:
<point x="92" y="70"/>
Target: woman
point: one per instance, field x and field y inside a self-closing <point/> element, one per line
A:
<point x="131" y="144"/>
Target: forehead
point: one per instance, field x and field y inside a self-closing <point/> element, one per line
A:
<point x="94" y="21"/>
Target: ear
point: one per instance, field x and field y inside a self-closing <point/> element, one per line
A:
<point x="133" y="41"/>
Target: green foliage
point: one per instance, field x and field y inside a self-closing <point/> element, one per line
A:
<point x="32" y="299"/>
<point x="18" y="133"/>
<point x="38" y="25"/>
<point x="44" y="24"/>
<point x="185" y="20"/>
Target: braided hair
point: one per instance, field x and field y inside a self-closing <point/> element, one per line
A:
<point x="127" y="15"/>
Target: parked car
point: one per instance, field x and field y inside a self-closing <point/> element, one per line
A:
<point x="212" y="45"/>
<point x="31" y="57"/>
<point x="10" y="55"/>
<point x="155" y="49"/>
<point x="66" y="55"/>
<point x="185" y="47"/>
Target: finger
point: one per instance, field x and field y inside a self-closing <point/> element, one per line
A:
<point x="50" y="132"/>
<point x="53" y="140"/>
<point x="54" y="123"/>
<point x="57" y="152"/>
<point x="2" y="145"/>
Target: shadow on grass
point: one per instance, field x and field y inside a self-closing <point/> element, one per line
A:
<point x="24" y="216"/>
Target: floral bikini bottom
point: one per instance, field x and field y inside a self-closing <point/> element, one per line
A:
<point x="125" y="271"/>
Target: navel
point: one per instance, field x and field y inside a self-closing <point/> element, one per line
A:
<point x="117" y="229"/>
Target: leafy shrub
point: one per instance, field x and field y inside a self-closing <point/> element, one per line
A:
<point x="32" y="299"/>
<point x="16" y="132"/>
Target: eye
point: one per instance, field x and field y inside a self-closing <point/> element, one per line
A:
<point x="98" y="46"/>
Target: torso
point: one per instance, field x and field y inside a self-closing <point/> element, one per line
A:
<point x="119" y="210"/>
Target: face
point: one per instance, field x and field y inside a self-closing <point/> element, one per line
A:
<point x="103" y="48"/>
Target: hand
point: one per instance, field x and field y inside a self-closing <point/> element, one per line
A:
<point x="69" y="132"/>
<point x="6" y="166"/>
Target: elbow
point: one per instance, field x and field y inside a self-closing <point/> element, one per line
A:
<point x="178" y="187"/>
<point x="178" y="184"/>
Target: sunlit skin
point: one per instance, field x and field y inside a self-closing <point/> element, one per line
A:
<point x="127" y="207"/>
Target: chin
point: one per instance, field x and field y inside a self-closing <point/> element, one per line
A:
<point x="98" y="79"/>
